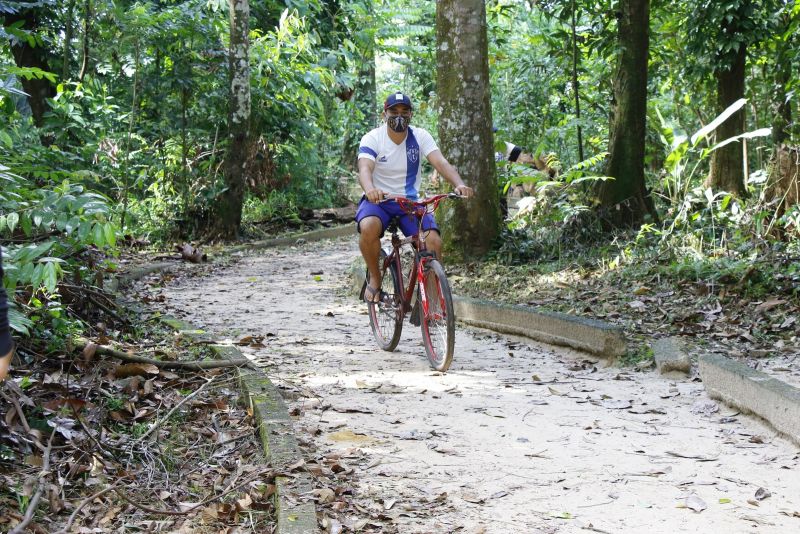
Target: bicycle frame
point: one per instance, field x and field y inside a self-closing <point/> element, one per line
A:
<point x="433" y="308"/>
<point x="421" y="254"/>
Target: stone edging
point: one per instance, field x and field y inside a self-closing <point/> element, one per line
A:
<point x="273" y="421"/>
<point x="753" y="392"/>
<point x="277" y="436"/>
<point x="313" y="235"/>
<point x="589" y="335"/>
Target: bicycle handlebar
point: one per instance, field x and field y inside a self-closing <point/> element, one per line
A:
<point x="421" y="206"/>
<point x="422" y="202"/>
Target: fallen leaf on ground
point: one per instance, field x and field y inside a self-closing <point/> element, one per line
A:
<point x="135" y="369"/>
<point x="695" y="503"/>
<point x="616" y="404"/>
<point x="699" y="458"/>
<point x="769" y="304"/>
<point x="762" y="493"/>
<point x="349" y="435"/>
<point x="89" y="351"/>
<point x="324" y="495"/>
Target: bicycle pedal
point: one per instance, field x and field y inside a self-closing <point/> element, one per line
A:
<point x="414" y="318"/>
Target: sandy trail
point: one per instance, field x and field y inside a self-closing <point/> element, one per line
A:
<point x="517" y="437"/>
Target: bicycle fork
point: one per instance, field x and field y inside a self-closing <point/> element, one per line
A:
<point x="423" y="304"/>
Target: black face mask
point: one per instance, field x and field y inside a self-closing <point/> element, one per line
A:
<point x="398" y="123"/>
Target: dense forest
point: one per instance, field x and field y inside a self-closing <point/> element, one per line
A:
<point x="668" y="128"/>
<point x="658" y="189"/>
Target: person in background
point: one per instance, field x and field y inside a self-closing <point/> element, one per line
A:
<point x="6" y="342"/>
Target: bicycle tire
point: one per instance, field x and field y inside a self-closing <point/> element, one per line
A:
<point x="439" y="322"/>
<point x="386" y="316"/>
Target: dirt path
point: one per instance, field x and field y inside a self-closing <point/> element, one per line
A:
<point x="517" y="437"/>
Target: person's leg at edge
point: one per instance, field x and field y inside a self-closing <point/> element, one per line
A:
<point x="6" y="342"/>
<point x="369" y="242"/>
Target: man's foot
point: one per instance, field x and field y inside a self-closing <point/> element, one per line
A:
<point x="372" y="294"/>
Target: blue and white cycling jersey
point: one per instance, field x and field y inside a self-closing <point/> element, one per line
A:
<point x="397" y="167"/>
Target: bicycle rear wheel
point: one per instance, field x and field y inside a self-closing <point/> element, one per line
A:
<point x="386" y="316"/>
<point x="438" y="323"/>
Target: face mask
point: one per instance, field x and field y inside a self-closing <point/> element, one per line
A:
<point x="398" y="123"/>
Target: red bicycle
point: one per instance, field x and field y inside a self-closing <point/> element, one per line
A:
<point x="433" y="307"/>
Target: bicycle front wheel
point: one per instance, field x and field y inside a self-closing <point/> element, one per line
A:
<point x="386" y="316"/>
<point x="438" y="320"/>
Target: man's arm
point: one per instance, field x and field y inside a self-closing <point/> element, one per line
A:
<point x="449" y="172"/>
<point x="365" y="168"/>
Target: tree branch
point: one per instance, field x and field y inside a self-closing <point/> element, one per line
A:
<point x="193" y="366"/>
<point x="34" y="502"/>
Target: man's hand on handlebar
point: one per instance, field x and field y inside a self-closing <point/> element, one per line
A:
<point x="375" y="195"/>
<point x="464" y="191"/>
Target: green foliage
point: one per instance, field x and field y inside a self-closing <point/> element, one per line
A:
<point x="533" y="98"/>
<point x="716" y="31"/>
<point x="43" y="229"/>
<point x="277" y="205"/>
<point x="553" y="214"/>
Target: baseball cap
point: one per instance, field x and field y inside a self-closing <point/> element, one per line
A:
<point x="397" y="98"/>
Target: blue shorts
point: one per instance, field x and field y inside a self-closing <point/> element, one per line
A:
<point x="387" y="210"/>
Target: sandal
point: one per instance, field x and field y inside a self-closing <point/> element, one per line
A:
<point x="370" y="293"/>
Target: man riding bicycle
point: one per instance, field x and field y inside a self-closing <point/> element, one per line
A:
<point x="389" y="164"/>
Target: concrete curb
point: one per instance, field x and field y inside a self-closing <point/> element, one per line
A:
<point x="671" y="357"/>
<point x="273" y="422"/>
<point x="753" y="392"/>
<point x="277" y="436"/>
<point x="589" y="335"/>
<point x="313" y="235"/>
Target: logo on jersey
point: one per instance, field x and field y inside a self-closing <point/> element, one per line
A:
<point x="412" y="154"/>
<point x="382" y="159"/>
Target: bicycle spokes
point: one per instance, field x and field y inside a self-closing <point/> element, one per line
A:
<point x="438" y="321"/>
<point x="386" y="315"/>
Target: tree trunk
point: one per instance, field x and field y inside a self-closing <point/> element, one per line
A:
<point x="25" y="55"/>
<point x="727" y="163"/>
<point x="87" y="28"/>
<point x="67" y="41"/>
<point x="465" y="126"/>
<point x="575" y="85"/>
<point x="782" y="117"/>
<point x="230" y="205"/>
<point x="624" y="200"/>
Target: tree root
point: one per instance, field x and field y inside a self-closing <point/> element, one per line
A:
<point x="103" y="350"/>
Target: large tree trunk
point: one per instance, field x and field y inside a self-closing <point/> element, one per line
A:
<point x="465" y="125"/>
<point x="229" y="215"/>
<point x="727" y="163"/>
<point x="39" y="90"/>
<point x="624" y="200"/>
